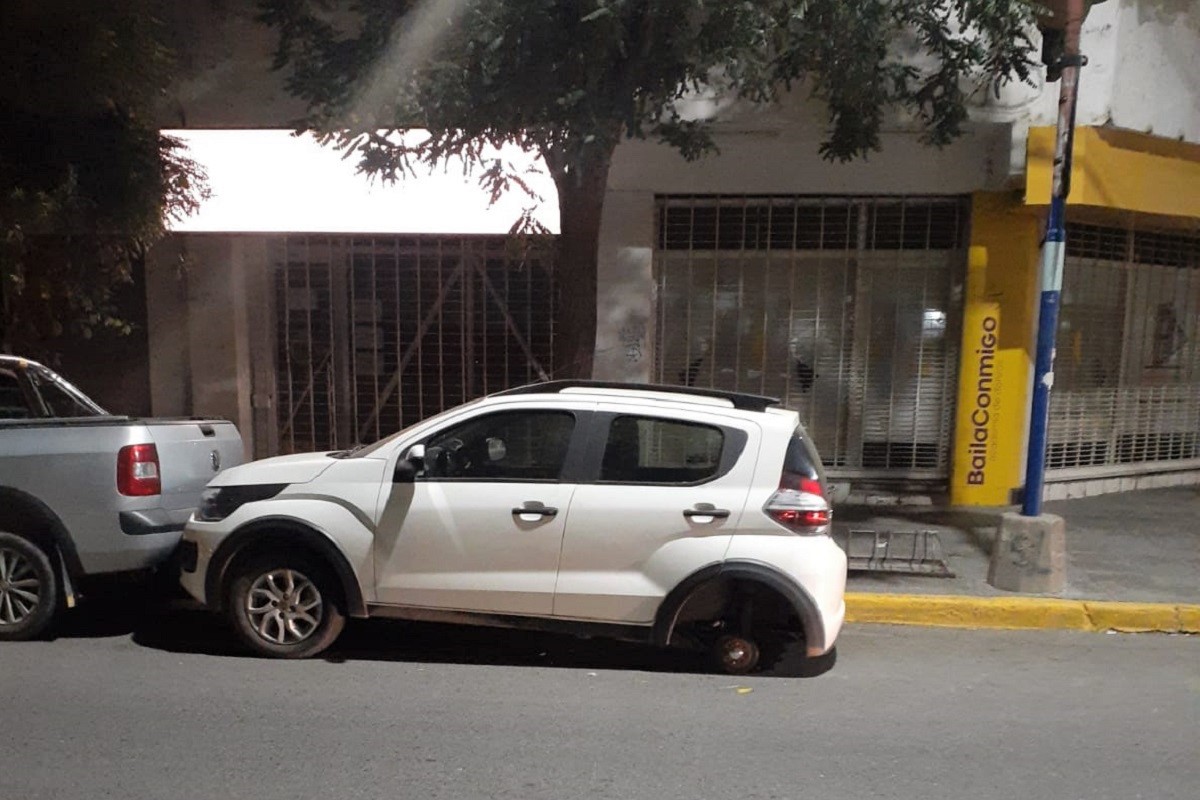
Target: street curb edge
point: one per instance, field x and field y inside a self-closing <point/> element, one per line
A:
<point x="1016" y="613"/>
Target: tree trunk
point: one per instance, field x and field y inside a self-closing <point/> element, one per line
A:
<point x="581" y="191"/>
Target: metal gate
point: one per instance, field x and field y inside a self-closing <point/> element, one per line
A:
<point x="842" y="307"/>
<point x="1127" y="372"/>
<point x="376" y="333"/>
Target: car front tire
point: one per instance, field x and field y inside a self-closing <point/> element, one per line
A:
<point x="284" y="606"/>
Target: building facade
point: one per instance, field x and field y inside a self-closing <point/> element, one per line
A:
<point x="890" y="301"/>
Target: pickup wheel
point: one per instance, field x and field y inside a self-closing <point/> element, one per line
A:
<point x="285" y="606"/>
<point x="28" y="589"/>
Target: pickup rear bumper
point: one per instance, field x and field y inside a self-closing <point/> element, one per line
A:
<point x="141" y="539"/>
<point x="155" y="520"/>
<point x="133" y="553"/>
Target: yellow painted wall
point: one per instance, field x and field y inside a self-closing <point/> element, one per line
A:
<point x="1010" y="233"/>
<point x="981" y="410"/>
<point x="1115" y="173"/>
<point x="1119" y="170"/>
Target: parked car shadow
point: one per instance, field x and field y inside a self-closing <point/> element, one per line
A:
<point x="178" y="629"/>
<point x="115" y="607"/>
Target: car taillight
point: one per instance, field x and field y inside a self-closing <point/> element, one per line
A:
<point x="801" y="483"/>
<point x="137" y="471"/>
<point x="800" y="505"/>
<point x="794" y="517"/>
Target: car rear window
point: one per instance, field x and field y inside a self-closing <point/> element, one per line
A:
<point x="802" y="458"/>
<point x="12" y="399"/>
<point x="61" y="398"/>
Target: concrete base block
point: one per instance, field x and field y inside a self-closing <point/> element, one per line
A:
<point x="1029" y="554"/>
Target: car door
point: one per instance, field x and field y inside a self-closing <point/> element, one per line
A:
<point x="481" y="526"/>
<point x="663" y="496"/>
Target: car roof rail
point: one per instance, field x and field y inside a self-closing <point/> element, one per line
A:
<point x="740" y="400"/>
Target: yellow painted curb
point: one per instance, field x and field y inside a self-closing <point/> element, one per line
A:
<point x="1132" y="617"/>
<point x="957" y="611"/>
<point x="1189" y="619"/>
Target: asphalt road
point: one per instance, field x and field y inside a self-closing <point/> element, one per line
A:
<point x="150" y="705"/>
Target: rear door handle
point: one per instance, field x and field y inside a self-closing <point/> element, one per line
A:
<point x="535" y="510"/>
<point x="701" y="511"/>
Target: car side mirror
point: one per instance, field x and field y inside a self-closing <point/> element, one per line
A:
<point x="408" y="467"/>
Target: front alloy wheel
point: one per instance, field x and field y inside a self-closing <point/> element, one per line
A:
<point x="285" y="608"/>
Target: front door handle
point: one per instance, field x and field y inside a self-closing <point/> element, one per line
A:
<point x="534" y="510"/>
<point x="706" y="510"/>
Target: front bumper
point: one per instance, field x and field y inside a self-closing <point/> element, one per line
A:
<point x="188" y="556"/>
<point x="200" y="541"/>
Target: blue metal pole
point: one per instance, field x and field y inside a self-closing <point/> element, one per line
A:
<point x="1053" y="254"/>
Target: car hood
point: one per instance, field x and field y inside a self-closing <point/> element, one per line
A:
<point x="300" y="468"/>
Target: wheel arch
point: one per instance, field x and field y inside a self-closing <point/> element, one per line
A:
<point x="752" y="571"/>
<point x="298" y="535"/>
<point x="25" y="515"/>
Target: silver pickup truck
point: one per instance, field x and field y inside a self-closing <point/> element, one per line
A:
<point x="84" y="492"/>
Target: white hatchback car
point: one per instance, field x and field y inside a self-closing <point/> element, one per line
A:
<point x="668" y="515"/>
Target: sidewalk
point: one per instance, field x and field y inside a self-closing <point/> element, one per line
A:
<point x="1133" y="563"/>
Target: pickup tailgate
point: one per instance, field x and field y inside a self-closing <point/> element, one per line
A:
<point x="190" y="454"/>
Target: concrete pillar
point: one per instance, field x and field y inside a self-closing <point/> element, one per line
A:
<point x="1009" y="232"/>
<point x="258" y="289"/>
<point x="213" y="326"/>
<point x="167" y="328"/>
<point x="207" y="319"/>
<point x="246" y="256"/>
<point x="980" y="396"/>
<point x="1029" y="554"/>
<point x="625" y="291"/>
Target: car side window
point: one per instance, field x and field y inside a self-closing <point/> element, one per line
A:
<point x="13" y="404"/>
<point x="659" y="451"/>
<point x="507" y="446"/>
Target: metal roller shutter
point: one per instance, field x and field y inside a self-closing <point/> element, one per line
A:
<point x="376" y="333"/>
<point x="840" y="306"/>
<point x="1127" y="372"/>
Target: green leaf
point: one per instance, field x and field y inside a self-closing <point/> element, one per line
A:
<point x="571" y="85"/>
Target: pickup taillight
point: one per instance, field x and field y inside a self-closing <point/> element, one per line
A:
<point x="137" y="471"/>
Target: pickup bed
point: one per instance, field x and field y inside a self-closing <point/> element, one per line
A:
<point x="84" y="492"/>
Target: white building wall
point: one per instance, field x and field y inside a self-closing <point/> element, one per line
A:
<point x="1157" y="75"/>
<point x="1143" y="74"/>
<point x="1037" y="103"/>
<point x="775" y="162"/>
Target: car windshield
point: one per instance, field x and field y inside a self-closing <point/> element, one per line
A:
<point x="363" y="451"/>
